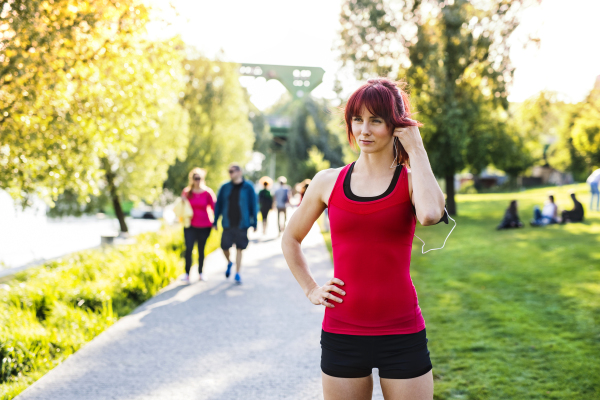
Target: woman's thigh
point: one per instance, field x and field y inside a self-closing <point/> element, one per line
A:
<point x="190" y="238"/>
<point x="347" y="388"/>
<point x="420" y="388"/>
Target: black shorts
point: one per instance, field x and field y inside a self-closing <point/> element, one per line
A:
<point x="396" y="356"/>
<point x="236" y="236"/>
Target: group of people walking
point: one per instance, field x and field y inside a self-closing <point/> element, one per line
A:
<point x="200" y="210"/>
<point x="236" y="204"/>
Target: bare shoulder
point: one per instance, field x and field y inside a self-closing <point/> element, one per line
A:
<point x="323" y="182"/>
<point x="326" y="177"/>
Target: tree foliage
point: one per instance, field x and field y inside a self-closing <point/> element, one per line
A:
<point x="310" y="129"/>
<point x="219" y="128"/>
<point x="578" y="146"/>
<point x="88" y="102"/>
<point x="455" y="57"/>
<point x="48" y="49"/>
<point x="586" y="129"/>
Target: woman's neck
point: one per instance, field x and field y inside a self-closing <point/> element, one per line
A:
<point x="376" y="163"/>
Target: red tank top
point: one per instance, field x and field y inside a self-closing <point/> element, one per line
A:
<point x="372" y="244"/>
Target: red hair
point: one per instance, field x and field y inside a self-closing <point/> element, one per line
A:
<point x="385" y="99"/>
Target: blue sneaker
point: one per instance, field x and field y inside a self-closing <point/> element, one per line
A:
<point x="238" y="279"/>
<point x="228" y="272"/>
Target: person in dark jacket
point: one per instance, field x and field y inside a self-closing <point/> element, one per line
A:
<point x="237" y="204"/>
<point x="511" y="218"/>
<point x="574" y="215"/>
<point x="265" y="200"/>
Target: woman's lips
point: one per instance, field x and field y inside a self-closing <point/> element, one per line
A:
<point x="366" y="142"/>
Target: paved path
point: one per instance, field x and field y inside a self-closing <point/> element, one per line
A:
<point x="208" y="340"/>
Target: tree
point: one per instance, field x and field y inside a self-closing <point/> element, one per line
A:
<point x="136" y="99"/>
<point x="47" y="50"/>
<point x="455" y="58"/>
<point x="88" y="102"/>
<point x="577" y="147"/>
<point x="309" y="131"/>
<point x="219" y="129"/>
<point x="311" y="123"/>
<point x="539" y="120"/>
<point x="315" y="162"/>
<point x="586" y="129"/>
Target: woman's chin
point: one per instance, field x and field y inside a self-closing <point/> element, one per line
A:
<point x="369" y="149"/>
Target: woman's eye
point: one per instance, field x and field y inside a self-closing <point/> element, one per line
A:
<point x="356" y="119"/>
<point x="376" y="121"/>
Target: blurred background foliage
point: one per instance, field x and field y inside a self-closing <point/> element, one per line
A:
<point x="220" y="131"/>
<point x="95" y="113"/>
<point x="454" y="56"/>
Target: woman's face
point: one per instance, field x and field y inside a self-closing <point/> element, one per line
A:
<point x="371" y="132"/>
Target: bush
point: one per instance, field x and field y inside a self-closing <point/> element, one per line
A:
<point x="48" y="313"/>
<point x="467" y="188"/>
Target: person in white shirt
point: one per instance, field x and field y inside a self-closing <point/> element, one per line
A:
<point x="548" y="215"/>
<point x="593" y="180"/>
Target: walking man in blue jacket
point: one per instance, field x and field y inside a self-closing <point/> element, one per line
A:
<point x="238" y="205"/>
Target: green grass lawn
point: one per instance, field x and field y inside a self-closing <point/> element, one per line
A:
<point x="512" y="314"/>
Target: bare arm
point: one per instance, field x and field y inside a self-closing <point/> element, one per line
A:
<point x="302" y="220"/>
<point x="426" y="194"/>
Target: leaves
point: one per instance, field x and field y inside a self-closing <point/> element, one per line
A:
<point x="455" y="57"/>
<point x="81" y="82"/>
<point x="219" y="129"/>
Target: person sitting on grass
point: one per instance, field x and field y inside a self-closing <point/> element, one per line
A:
<point x="511" y="218"/>
<point x="574" y="215"/>
<point x="548" y="215"/>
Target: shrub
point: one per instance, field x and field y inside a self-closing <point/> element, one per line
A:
<point x="467" y="188"/>
<point x="47" y="313"/>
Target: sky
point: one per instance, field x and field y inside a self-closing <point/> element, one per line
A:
<point x="303" y="33"/>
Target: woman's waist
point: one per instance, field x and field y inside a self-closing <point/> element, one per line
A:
<point x="376" y="257"/>
<point x="381" y="318"/>
<point x="375" y="244"/>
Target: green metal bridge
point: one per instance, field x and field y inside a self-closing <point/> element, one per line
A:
<point x="298" y="80"/>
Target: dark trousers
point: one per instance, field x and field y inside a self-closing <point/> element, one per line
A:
<point x="193" y="235"/>
<point x="279" y="212"/>
<point x="539" y="219"/>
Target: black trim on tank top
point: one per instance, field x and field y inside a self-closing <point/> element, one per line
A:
<point x="352" y="196"/>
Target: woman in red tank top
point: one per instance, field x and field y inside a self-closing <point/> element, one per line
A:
<point x="372" y="316"/>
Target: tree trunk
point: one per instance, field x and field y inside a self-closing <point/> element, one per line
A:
<point x="450" y="201"/>
<point x="110" y="180"/>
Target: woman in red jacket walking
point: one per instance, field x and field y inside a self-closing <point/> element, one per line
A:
<point x="372" y="316"/>
<point x="201" y="198"/>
